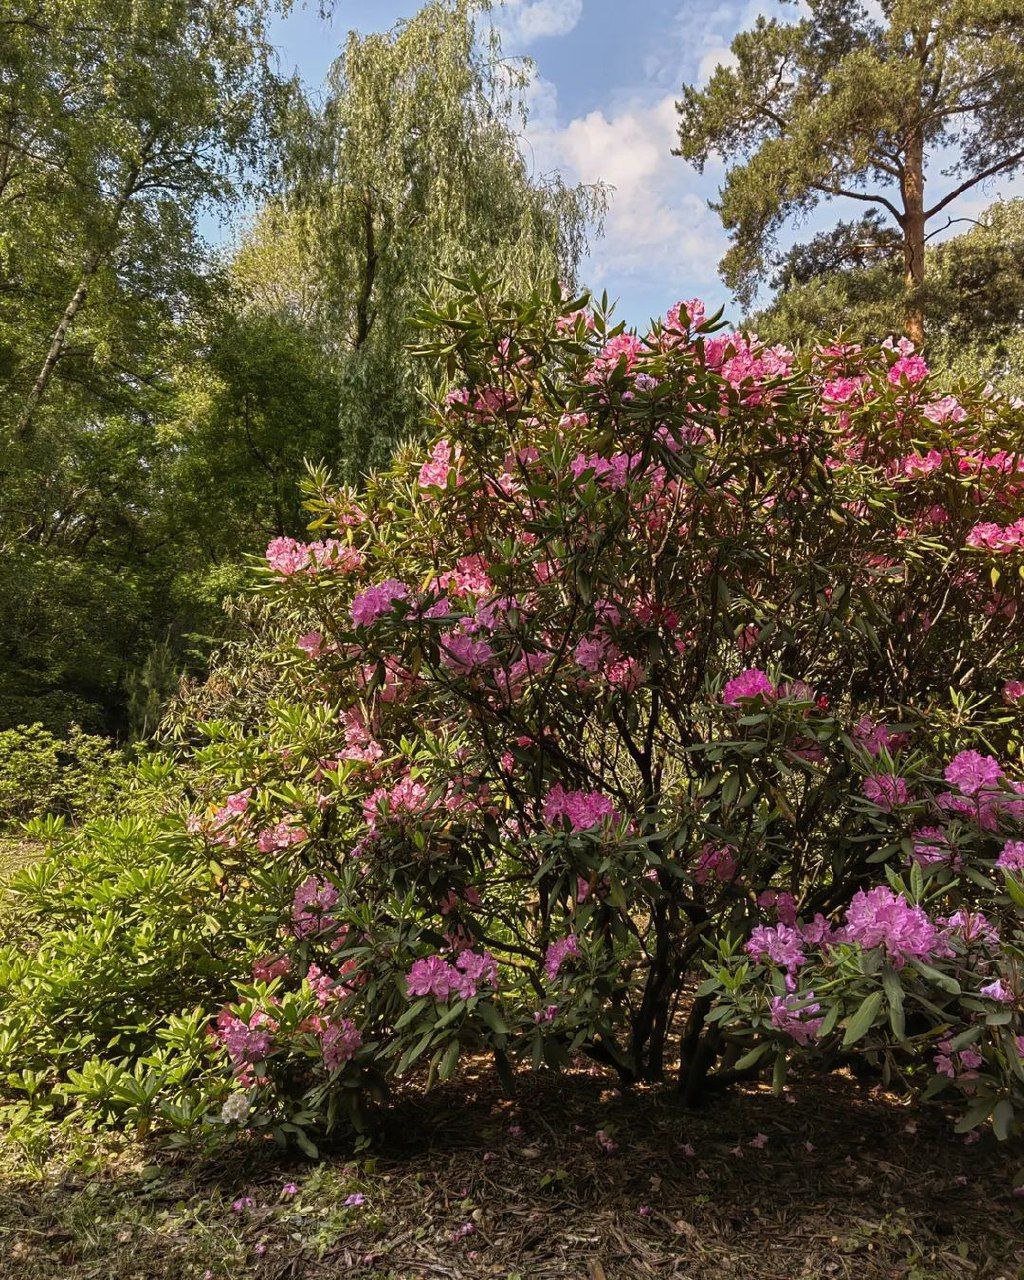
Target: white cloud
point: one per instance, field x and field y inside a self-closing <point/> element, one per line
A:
<point x="523" y="21"/>
<point x="720" y="57"/>
<point x="660" y="235"/>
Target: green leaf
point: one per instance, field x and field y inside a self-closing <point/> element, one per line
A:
<point x="894" y="995"/>
<point x="1002" y="1118"/>
<point x="861" y="1022"/>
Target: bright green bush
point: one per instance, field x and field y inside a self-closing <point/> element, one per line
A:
<point x="41" y="773"/>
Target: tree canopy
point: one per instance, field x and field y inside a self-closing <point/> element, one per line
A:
<point x="844" y="103"/>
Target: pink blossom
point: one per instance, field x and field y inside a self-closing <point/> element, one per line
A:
<point x="910" y="368"/>
<point x="1012" y="856"/>
<point x="464" y="653"/>
<point x="718" y="864"/>
<point x="796" y="1016"/>
<point x="996" y="991"/>
<point x="948" y="409"/>
<point x="885" y="790"/>
<point x="376" y="601"/>
<point x="581" y="809"/>
<point x="430" y="976"/>
<point x="435" y="472"/>
<point x="281" y="836"/>
<point x="880" y="918"/>
<point x="558" y="953"/>
<point x="780" y="943"/>
<point x="972" y="772"/>
<point x="311" y="643"/>
<point x="339" y="1042"/>
<point x="1013" y="691"/>
<point x="751" y="683"/>
<point x="313" y="900"/>
<point x="244" y="1042"/>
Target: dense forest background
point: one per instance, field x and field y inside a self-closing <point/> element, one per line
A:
<point x="161" y="398"/>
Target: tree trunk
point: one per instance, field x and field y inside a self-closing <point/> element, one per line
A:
<point x="89" y="268"/>
<point x="364" y="320"/>
<point x="913" y="237"/>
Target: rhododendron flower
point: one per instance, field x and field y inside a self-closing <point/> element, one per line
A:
<point x="796" y="1016"/>
<point x="947" y="409"/>
<point x="626" y="348"/>
<point x="339" y="1042"/>
<point x="972" y="772"/>
<point x="311" y="643"/>
<point x="1013" y="691"/>
<point x="374" y="602"/>
<point x="996" y="991"/>
<point x="885" y="790"/>
<point x="433" y="976"/>
<point x="989" y="536"/>
<point x="1012" y="856"/>
<point x="430" y="976"/>
<point x="880" y="918"/>
<point x="435" y="472"/>
<point x="465" y="653"/>
<point x="245" y="1043"/>
<point x="871" y="736"/>
<point x="558" y="953"/>
<point x="751" y="683"/>
<point x="581" y="809"/>
<point x="314" y="899"/>
<point x="281" y="836"/>
<point x="909" y="368"/>
<point x="715" y="864"/>
<point x="271" y="967"/>
<point x="780" y="943"/>
<point x="931" y="846"/>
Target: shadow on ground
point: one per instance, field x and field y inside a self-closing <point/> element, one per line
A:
<point x="831" y="1180"/>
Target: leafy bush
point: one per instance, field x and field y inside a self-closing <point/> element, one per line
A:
<point x="41" y="773"/>
<point x="668" y="711"/>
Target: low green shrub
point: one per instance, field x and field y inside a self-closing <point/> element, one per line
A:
<point x="41" y="773"/>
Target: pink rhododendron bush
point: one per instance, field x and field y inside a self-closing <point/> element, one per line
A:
<point x="665" y="709"/>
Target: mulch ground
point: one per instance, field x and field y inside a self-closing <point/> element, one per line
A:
<point x="832" y="1180"/>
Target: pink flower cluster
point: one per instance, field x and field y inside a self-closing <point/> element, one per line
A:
<point x="434" y="473"/>
<point x="880" y="918"/>
<point x="465" y="653"/>
<point x="782" y="944"/>
<point x="886" y="790"/>
<point x="282" y="836"/>
<point x="797" y="1016"/>
<point x="314" y="900"/>
<point x="1012" y="856"/>
<point x="715" y="864"/>
<point x="558" y="953"/>
<point x="581" y="809"/>
<point x="339" y="1041"/>
<point x="245" y="1043"/>
<point x="989" y="536"/>
<point x="374" y="602"/>
<point x="287" y="557"/>
<point x="751" y="683"/>
<point x="434" y="976"/>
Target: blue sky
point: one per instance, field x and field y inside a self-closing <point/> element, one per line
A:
<point x="607" y="75"/>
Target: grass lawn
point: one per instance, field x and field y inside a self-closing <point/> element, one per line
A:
<point x="834" y="1180"/>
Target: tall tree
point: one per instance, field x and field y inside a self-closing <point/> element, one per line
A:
<point x="120" y="122"/>
<point x="411" y="170"/>
<point x="852" y="101"/>
<point x="848" y="282"/>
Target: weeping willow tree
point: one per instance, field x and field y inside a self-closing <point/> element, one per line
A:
<point x="409" y="171"/>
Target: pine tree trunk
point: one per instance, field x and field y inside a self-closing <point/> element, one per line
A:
<point x="913" y="237"/>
